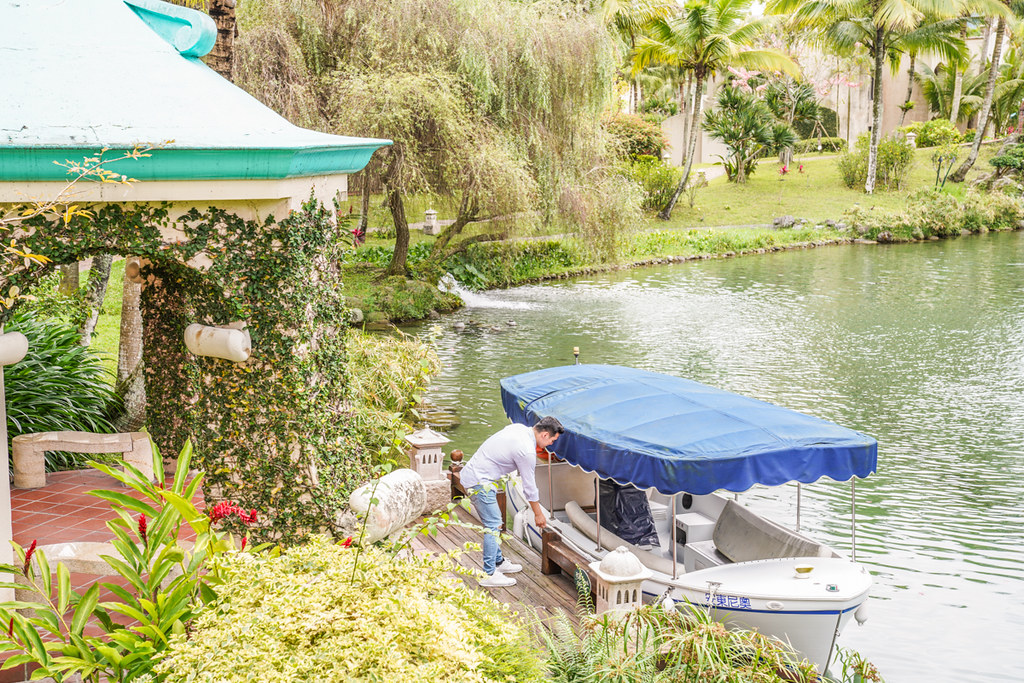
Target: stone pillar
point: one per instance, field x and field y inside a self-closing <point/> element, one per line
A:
<point x="13" y="347"/>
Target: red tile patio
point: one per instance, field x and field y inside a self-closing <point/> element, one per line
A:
<point x="62" y="512"/>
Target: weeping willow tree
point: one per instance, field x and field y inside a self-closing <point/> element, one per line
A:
<point x="493" y="106"/>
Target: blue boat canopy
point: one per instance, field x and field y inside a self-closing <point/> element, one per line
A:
<point x="676" y="435"/>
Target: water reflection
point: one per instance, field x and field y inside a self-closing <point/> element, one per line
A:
<point x="921" y="346"/>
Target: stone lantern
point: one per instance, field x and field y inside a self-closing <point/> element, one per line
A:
<point x="427" y="458"/>
<point x="430" y="224"/>
<point x="618" y="581"/>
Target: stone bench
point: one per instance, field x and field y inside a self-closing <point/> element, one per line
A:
<point x="27" y="452"/>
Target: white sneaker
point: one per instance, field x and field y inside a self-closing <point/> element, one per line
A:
<point x="507" y="567"/>
<point x="498" y="580"/>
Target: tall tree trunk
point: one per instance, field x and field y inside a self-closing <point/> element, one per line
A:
<point x="364" y="204"/>
<point x="221" y="56"/>
<point x="398" y="265"/>
<point x="687" y="109"/>
<point x="698" y="104"/>
<point x="876" y="116"/>
<point x="958" y="82"/>
<point x="910" y="86"/>
<point x="99" y="276"/>
<point x="70" y="280"/>
<point x="986" y="106"/>
<point x="983" y="55"/>
<point x="131" y="382"/>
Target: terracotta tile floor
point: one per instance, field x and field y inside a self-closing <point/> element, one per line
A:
<point x="61" y="512"/>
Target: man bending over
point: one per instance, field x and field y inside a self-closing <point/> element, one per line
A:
<point x="513" y="448"/>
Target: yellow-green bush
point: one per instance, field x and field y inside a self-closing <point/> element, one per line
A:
<point x="387" y="376"/>
<point x="312" y="614"/>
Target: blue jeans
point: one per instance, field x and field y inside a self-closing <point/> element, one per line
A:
<point x="485" y="498"/>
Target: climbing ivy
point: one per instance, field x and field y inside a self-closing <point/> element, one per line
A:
<point x="271" y="433"/>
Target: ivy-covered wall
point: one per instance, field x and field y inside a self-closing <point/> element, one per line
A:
<point x="270" y="433"/>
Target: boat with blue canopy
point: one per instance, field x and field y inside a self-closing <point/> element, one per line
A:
<point x="676" y="435"/>
<point x="643" y="464"/>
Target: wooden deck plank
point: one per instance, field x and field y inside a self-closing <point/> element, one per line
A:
<point x="547" y="596"/>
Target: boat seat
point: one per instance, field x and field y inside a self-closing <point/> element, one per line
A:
<point x="701" y="555"/>
<point x="741" y="535"/>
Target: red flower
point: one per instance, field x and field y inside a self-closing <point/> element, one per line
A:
<point x="245" y="539"/>
<point x="347" y="543"/>
<point x="227" y="508"/>
<point x="801" y="168"/>
<point x="142" y="528"/>
<point x="28" y="557"/>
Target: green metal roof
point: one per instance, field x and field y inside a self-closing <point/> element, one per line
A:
<point x="114" y="74"/>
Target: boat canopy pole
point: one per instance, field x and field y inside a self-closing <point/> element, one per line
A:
<point x="853" y="517"/>
<point x="597" y="498"/>
<point x="798" y="506"/>
<point x="551" y="488"/>
<point x="672" y="521"/>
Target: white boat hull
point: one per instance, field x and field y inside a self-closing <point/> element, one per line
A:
<point x="806" y="610"/>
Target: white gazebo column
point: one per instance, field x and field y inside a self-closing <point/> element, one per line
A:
<point x="618" y="583"/>
<point x="13" y="347"/>
<point x="427" y="459"/>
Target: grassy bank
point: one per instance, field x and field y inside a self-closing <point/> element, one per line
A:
<point x="817" y="194"/>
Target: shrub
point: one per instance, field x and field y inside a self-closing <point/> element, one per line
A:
<point x="386" y="378"/>
<point x="940" y="214"/>
<point x="810" y="145"/>
<point x="635" y="136"/>
<point x="501" y="264"/>
<point x="655" y="644"/>
<point x="657" y="181"/>
<point x="829" y="121"/>
<point x="933" y="133"/>
<point x="324" y="612"/>
<point x="60" y="385"/>
<point x="1011" y="162"/>
<point x="48" y="302"/>
<point x="895" y="157"/>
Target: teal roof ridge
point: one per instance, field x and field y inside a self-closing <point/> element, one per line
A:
<point x="188" y="31"/>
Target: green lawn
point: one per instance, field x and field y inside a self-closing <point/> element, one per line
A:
<point x="816" y="194"/>
<point x="108" y="326"/>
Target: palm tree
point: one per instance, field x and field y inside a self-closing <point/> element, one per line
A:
<point x="887" y="29"/>
<point x="628" y="18"/>
<point x="1009" y="96"/>
<point x="937" y="88"/>
<point x="1015" y="7"/>
<point x="703" y="38"/>
<point x="921" y="39"/>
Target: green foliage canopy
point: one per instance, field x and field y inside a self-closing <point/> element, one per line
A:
<point x="494" y="106"/>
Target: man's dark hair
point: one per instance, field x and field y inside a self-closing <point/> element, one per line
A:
<point x="550" y="425"/>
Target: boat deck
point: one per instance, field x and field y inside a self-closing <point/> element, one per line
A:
<point x="546" y="595"/>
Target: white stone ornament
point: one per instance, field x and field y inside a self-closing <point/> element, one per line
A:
<point x="618" y="582"/>
<point x="427" y="458"/>
<point x="230" y="342"/>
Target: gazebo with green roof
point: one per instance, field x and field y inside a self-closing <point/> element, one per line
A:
<point x="218" y="212"/>
<point x="117" y="74"/>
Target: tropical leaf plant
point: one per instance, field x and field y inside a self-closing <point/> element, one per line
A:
<point x="59" y="385"/>
<point x="164" y="581"/>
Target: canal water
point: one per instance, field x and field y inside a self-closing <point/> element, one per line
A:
<point x="920" y="346"/>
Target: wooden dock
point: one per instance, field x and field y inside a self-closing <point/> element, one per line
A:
<point x="545" y="595"/>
